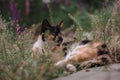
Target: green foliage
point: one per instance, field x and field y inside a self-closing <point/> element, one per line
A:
<point x="10" y="32"/>
<point x="57" y="12"/>
<point x="16" y="62"/>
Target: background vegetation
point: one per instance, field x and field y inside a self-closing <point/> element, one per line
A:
<point x="55" y="9"/>
<point x="17" y="28"/>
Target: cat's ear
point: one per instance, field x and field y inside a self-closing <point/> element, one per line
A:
<point x="60" y="24"/>
<point x="46" y="24"/>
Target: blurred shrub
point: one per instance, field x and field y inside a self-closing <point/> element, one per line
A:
<point x="57" y="9"/>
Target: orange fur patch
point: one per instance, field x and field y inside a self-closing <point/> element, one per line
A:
<point x="82" y="53"/>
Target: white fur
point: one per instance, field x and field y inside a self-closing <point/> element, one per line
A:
<point x="71" y="68"/>
<point x="39" y="44"/>
<point x="61" y="63"/>
<point x="70" y="55"/>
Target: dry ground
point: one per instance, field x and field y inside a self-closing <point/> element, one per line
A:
<point x="109" y="72"/>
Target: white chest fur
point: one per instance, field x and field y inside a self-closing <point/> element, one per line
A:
<point x="38" y="46"/>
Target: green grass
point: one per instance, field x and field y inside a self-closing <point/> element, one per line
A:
<point x="16" y="62"/>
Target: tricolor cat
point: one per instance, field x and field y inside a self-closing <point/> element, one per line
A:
<point x="86" y="50"/>
<point x="55" y="35"/>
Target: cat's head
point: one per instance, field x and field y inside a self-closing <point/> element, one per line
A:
<point x="54" y="31"/>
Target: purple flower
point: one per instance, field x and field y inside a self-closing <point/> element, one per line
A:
<point x="45" y="7"/>
<point x="20" y="30"/>
<point x="58" y="1"/>
<point x="13" y="9"/>
<point x="27" y="4"/>
<point x="15" y="17"/>
<point x="80" y="5"/>
<point x="67" y="2"/>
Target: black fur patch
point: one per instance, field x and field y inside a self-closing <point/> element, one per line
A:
<point x="43" y="37"/>
<point x="54" y="30"/>
<point x="43" y="51"/>
<point x="60" y="40"/>
<point x="101" y="52"/>
<point x="95" y="65"/>
<point x="103" y="49"/>
<point x="64" y="49"/>
<point x="65" y="54"/>
<point x="65" y="43"/>
<point x="104" y="60"/>
<point x="58" y="44"/>
<point x="85" y="42"/>
<point x="104" y="46"/>
<point x="45" y="26"/>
